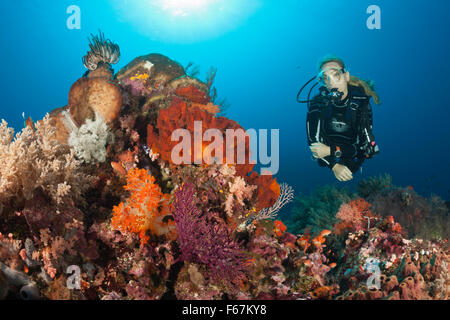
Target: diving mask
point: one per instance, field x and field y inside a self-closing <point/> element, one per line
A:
<point x="330" y="75"/>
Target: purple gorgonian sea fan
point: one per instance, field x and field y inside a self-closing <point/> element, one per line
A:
<point x="204" y="242"/>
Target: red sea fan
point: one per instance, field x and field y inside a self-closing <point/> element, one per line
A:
<point x="268" y="190"/>
<point x="179" y="116"/>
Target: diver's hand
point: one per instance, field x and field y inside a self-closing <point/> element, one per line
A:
<point x="342" y="173"/>
<point x="320" y="150"/>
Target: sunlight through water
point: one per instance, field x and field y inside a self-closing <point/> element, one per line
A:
<point x="185" y="21"/>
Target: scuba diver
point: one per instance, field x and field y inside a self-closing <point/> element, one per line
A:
<point x="339" y="119"/>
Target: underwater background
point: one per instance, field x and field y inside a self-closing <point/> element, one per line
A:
<point x="264" y="51"/>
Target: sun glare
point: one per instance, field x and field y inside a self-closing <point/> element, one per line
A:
<point x="183" y="7"/>
<point x="185" y="21"/>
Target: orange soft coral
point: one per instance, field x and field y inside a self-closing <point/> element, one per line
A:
<point x="142" y="211"/>
<point x="279" y="228"/>
<point x="319" y="241"/>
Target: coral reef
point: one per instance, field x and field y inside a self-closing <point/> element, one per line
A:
<point x="33" y="162"/>
<point x="420" y="217"/>
<point x="373" y="185"/>
<point x="89" y="141"/>
<point x="93" y="206"/>
<point x="145" y="208"/>
<point x="95" y="94"/>
<point x="316" y="212"/>
<point x="206" y="243"/>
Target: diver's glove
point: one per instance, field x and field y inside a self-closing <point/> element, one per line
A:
<point x="342" y="173"/>
<point x="319" y="150"/>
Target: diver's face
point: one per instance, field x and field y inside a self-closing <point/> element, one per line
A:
<point x="332" y="77"/>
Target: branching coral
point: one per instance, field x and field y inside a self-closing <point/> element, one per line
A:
<point x="9" y="250"/>
<point x="66" y="242"/>
<point x="56" y="236"/>
<point x="33" y="160"/>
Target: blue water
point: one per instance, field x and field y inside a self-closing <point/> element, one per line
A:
<point x="264" y="52"/>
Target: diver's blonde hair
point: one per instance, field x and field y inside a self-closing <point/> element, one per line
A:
<point x="367" y="85"/>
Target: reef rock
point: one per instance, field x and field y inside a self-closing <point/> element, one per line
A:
<point x="191" y="89"/>
<point x="158" y="69"/>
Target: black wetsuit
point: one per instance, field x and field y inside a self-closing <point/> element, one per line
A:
<point x="346" y="124"/>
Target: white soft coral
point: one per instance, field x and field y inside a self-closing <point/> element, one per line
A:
<point x="34" y="160"/>
<point x="90" y="140"/>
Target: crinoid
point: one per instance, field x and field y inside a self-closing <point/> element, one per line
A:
<point x="102" y="50"/>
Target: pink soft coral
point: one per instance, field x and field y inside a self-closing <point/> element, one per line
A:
<point x="239" y="191"/>
<point x="352" y="215"/>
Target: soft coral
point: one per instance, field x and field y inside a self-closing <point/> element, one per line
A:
<point x="141" y="212"/>
<point x="352" y="214"/>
